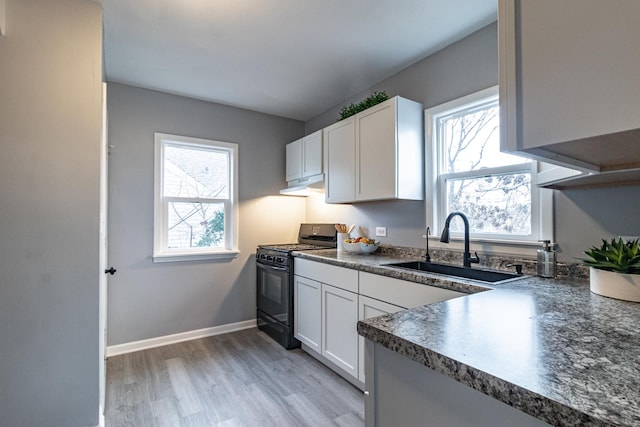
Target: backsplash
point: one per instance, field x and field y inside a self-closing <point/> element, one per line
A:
<point x="496" y="262"/>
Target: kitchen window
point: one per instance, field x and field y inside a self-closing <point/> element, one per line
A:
<point x="496" y="191"/>
<point x="195" y="199"/>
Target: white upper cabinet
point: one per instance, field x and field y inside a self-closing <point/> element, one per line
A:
<point x="376" y="154"/>
<point x="570" y="83"/>
<point x="340" y="161"/>
<point x="294" y="160"/>
<point x="304" y="157"/>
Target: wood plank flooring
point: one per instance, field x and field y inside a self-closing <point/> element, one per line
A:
<point x="239" y="379"/>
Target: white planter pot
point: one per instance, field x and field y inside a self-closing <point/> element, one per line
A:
<point x="615" y="285"/>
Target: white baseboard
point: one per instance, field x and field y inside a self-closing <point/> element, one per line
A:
<point x="130" y="347"/>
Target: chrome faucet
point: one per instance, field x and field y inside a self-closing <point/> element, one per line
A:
<point x="444" y="238"/>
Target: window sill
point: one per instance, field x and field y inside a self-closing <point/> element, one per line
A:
<point x="191" y="256"/>
<point x="499" y="242"/>
<point x="520" y="248"/>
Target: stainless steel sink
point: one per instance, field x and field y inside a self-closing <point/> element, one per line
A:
<point x="489" y="276"/>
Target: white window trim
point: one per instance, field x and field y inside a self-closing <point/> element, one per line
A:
<point x="160" y="251"/>
<point x="542" y="216"/>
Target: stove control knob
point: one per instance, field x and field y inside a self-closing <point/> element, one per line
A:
<point x="280" y="260"/>
<point x="269" y="257"/>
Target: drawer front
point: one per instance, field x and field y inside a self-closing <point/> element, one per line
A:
<point x="339" y="277"/>
<point x="401" y="292"/>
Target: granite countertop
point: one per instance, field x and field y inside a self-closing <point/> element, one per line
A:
<point x="376" y="263"/>
<point x="549" y="348"/>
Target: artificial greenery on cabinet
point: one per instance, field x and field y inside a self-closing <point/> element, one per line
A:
<point x="374" y="99"/>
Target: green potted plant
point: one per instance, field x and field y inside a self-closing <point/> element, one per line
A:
<point x="614" y="269"/>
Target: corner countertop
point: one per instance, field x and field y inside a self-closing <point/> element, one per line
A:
<point x="549" y="348"/>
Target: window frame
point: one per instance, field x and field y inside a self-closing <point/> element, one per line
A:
<point x="161" y="251"/>
<point x="541" y="199"/>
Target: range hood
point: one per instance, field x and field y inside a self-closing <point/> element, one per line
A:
<point x="308" y="186"/>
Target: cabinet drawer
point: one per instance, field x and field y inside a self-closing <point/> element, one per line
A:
<point x="401" y="292"/>
<point x="339" y="277"/>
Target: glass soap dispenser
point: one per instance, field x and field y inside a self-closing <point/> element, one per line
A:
<point x="547" y="260"/>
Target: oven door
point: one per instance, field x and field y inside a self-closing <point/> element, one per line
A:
<point x="274" y="291"/>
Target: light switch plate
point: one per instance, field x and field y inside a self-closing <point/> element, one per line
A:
<point x="381" y="231"/>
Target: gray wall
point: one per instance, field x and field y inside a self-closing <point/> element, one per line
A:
<point x="50" y="124"/>
<point x="582" y="217"/>
<point x="464" y="67"/>
<point x="147" y="300"/>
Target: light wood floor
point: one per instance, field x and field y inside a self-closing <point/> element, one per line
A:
<point x="239" y="379"/>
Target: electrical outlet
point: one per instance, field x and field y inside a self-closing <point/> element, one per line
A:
<point x="381" y="231"/>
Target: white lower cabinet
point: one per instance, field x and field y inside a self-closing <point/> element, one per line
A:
<point x="368" y="308"/>
<point x="307" y="312"/>
<point x="339" y="334"/>
<point x="326" y="313"/>
<point x="329" y="301"/>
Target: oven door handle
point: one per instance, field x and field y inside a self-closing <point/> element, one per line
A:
<point x="272" y="267"/>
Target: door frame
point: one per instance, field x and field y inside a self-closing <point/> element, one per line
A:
<point x="103" y="262"/>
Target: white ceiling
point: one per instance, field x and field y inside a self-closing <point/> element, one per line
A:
<point x="291" y="58"/>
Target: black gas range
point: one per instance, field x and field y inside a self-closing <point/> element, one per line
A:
<point x="275" y="284"/>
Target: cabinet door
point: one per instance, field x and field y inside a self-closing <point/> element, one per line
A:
<point x="307" y="312"/>
<point x="339" y="158"/>
<point x="294" y="160"/>
<point x="376" y="152"/>
<point x="368" y="308"/>
<point x="312" y="154"/>
<point x="339" y="334"/>
<point x="568" y="77"/>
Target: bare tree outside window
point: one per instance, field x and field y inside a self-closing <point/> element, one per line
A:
<point x="475" y="174"/>
<point x="196" y="184"/>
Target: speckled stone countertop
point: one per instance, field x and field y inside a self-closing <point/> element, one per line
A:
<point x="375" y="263"/>
<point x="549" y="348"/>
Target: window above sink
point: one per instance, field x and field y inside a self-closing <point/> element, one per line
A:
<point x="467" y="172"/>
